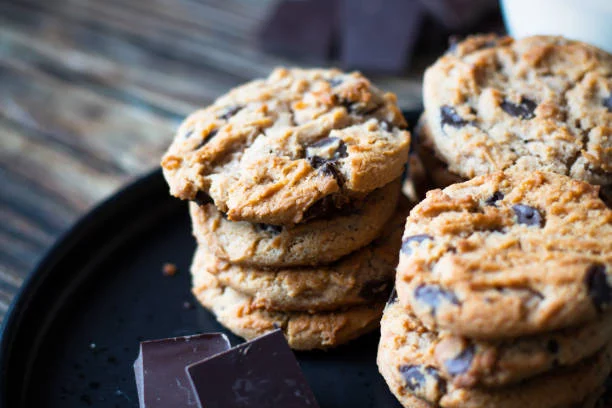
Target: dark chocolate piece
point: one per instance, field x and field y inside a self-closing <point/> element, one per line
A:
<point x="524" y="110"/>
<point x="433" y="295"/>
<point x="260" y="373"/>
<point x="413" y="376"/>
<point x="462" y="362"/>
<point x="417" y="377"/>
<point x="599" y="289"/>
<point x="379" y="36"/>
<point x="335" y="81"/>
<point x="230" y="111"/>
<point x="552" y="346"/>
<point x="498" y="195"/>
<point x="449" y="116"/>
<point x="161" y="379"/>
<point x="206" y="139"/>
<point x="414" y="238"/>
<point x="607" y="102"/>
<point x="269" y="228"/>
<point x="528" y="215"/>
<point x="301" y="29"/>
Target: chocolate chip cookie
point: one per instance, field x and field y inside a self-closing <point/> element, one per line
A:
<point x="408" y="364"/>
<point x="467" y="363"/>
<point x="320" y="241"/>
<point x="362" y="277"/>
<point x="304" y="331"/>
<point x="508" y="254"/>
<point x="539" y="103"/>
<point x="274" y="150"/>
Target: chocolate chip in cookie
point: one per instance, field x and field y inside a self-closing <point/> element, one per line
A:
<point x="433" y="295"/>
<point x="406" y="247"/>
<point x="450" y="117"/>
<point x="598" y="287"/>
<point x="497" y="196"/>
<point x="230" y="111"/>
<point x="607" y="102"/>
<point x="528" y="215"/>
<point x="524" y="110"/>
<point x="462" y="362"/>
<point x="207" y="139"/>
<point x="269" y="228"/>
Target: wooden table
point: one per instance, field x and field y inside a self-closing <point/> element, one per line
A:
<point x="91" y="92"/>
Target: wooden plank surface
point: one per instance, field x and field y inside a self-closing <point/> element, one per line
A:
<point x="91" y="91"/>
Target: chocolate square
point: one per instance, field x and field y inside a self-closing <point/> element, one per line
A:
<point x="161" y="379"/>
<point x="260" y="373"/>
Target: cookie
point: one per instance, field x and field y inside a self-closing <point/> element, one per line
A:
<point x="319" y="241"/>
<point x="466" y="363"/>
<point x="539" y="103"/>
<point x="407" y="365"/>
<point x="275" y="150"/>
<point x="508" y="254"/>
<point x="304" y="331"/>
<point x="362" y="277"/>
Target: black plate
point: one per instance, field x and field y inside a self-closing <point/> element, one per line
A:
<point x="72" y="333"/>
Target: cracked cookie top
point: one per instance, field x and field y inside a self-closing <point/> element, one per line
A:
<point x="290" y="147"/>
<point x="508" y="254"/>
<point x="540" y="103"/>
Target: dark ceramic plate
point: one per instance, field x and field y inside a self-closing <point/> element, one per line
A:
<point x="72" y="333"/>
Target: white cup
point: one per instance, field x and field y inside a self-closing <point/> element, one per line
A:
<point x="585" y="20"/>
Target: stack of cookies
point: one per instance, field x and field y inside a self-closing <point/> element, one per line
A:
<point x="540" y="103"/>
<point x="294" y="183"/>
<point x="503" y="296"/>
<point x="504" y="283"/>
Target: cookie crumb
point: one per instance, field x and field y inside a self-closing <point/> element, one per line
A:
<point x="169" y="269"/>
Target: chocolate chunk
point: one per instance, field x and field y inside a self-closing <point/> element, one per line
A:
<point x="607" y="102"/>
<point x="333" y="82"/>
<point x="201" y="198"/>
<point x="326" y="207"/>
<point x="339" y="152"/>
<point x="327" y="167"/>
<point x="433" y="295"/>
<point x="450" y="117"/>
<point x="524" y="110"/>
<point x="330" y="169"/>
<point x="262" y="373"/>
<point x="161" y="379"/>
<point x="269" y="228"/>
<point x="462" y="362"/>
<point x="230" y="111"/>
<point x="406" y="247"/>
<point x="498" y="195"/>
<point x="413" y="376"/>
<point x="375" y="289"/>
<point x="416" y="378"/>
<point x="552" y="346"/>
<point x="528" y="215"/>
<point x="598" y="287"/>
<point x="206" y="139"/>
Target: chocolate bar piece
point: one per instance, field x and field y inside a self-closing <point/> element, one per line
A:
<point x="260" y="373"/>
<point x="301" y="29"/>
<point x="379" y="36"/>
<point x="160" y="368"/>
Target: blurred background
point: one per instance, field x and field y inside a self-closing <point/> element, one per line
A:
<point x="92" y="90"/>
